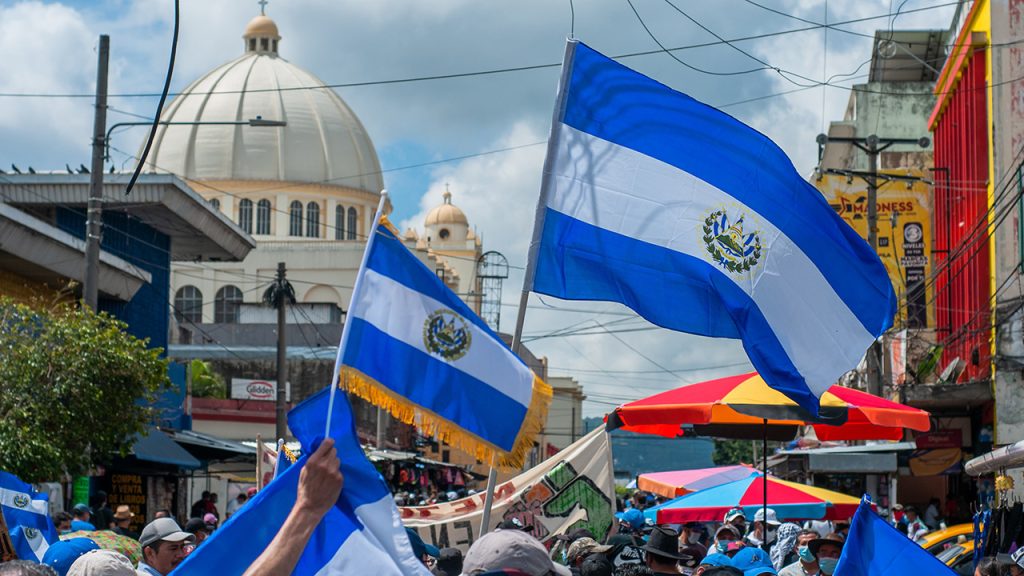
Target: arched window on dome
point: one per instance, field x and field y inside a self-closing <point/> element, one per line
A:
<point x="295" y="219"/>
<point x="263" y="217"/>
<point x="339" y="222"/>
<point x="313" y="220"/>
<point x="215" y="203"/>
<point x="245" y="215"/>
<point x="226" y="304"/>
<point x="352" y="219"/>
<point x="188" y="304"/>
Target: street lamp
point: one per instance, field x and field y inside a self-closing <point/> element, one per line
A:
<point x="257" y="122"/>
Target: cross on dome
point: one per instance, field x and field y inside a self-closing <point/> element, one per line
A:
<point x="263" y="7"/>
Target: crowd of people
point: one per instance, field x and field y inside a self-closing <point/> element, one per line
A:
<point x="731" y="546"/>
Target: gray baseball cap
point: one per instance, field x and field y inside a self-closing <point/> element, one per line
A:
<point x="510" y="549"/>
<point x="164" y="529"/>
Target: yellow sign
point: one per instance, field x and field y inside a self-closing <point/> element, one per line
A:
<point x="904" y="234"/>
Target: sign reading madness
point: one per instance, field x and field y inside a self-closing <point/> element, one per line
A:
<point x="904" y="233"/>
<point x="573" y="489"/>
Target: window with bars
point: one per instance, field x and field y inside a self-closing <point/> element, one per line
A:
<point x="263" y="217"/>
<point x="339" y="222"/>
<point x="245" y="215"/>
<point x="313" y="220"/>
<point x="295" y="219"/>
<point x="188" y="304"/>
<point x="353" y="217"/>
<point x="226" y="304"/>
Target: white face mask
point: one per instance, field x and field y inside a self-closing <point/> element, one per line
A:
<point x="770" y="534"/>
<point x="693" y="538"/>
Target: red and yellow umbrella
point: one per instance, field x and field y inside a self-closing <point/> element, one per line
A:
<point x="744" y="406"/>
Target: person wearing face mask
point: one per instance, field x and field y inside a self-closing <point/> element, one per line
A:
<point x="737" y="518"/>
<point x="826" y="551"/>
<point x="806" y="564"/>
<point x="764" y="531"/>
<point x="784" y="550"/>
<point x="690" y="535"/>
<point x="725" y="534"/>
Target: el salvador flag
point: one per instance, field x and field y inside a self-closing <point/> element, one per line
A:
<point x="417" y="349"/>
<point x="27" y="514"/>
<point x="362" y="534"/>
<point x="700" y="224"/>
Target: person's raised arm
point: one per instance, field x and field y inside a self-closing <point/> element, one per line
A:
<point x="320" y="484"/>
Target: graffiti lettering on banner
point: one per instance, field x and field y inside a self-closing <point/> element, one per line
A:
<point x="573" y="489"/>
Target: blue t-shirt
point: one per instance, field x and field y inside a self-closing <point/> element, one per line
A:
<point x="77" y="525"/>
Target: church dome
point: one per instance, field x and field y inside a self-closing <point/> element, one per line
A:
<point x="446" y="213"/>
<point x="323" y="141"/>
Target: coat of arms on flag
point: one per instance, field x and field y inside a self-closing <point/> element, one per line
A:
<point x="413" y="347"/>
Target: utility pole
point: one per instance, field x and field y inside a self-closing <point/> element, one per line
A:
<point x="279" y="295"/>
<point x="872" y="146"/>
<point x="94" y="214"/>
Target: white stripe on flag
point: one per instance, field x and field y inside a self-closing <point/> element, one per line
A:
<point x="7" y="497"/>
<point x="400" y="312"/>
<point x="363" y="548"/>
<point x="649" y="200"/>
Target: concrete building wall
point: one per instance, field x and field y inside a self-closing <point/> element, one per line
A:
<point x="1007" y="145"/>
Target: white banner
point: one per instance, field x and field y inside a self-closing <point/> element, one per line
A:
<point x="245" y="389"/>
<point x="573" y="489"/>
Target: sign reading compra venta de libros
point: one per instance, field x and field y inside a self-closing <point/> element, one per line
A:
<point x="245" y="389"/>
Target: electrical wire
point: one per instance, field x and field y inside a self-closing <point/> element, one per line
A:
<point x="160" y="105"/>
<point x="478" y="72"/>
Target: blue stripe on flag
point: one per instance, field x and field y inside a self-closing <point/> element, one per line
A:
<point x="623" y="269"/>
<point x="614" y="103"/>
<point x="23" y="508"/>
<point x="429" y="381"/>
<point x="875" y="548"/>
<point x="380" y="543"/>
<point x="392" y="259"/>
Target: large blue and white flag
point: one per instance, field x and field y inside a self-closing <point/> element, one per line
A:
<point x="416" y="349"/>
<point x="700" y="224"/>
<point x="875" y="548"/>
<point x="27" y="514"/>
<point x="362" y="534"/>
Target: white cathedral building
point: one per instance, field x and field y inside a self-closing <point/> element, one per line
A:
<point x="306" y="191"/>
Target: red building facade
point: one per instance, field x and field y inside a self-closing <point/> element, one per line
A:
<point x="962" y="248"/>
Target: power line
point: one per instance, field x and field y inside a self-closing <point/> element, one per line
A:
<point x="477" y="72"/>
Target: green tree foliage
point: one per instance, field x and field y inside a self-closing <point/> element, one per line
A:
<point x="205" y="382"/>
<point x="74" y="389"/>
<point x="729" y="452"/>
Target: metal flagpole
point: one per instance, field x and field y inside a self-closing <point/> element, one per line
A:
<point x="371" y="235"/>
<point x="538" y="226"/>
<point x="764" y="505"/>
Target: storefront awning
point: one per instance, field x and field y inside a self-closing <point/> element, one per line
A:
<point x="157" y="447"/>
<point x="207" y="447"/>
<point x="1011" y="456"/>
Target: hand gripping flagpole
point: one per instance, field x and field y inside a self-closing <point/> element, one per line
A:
<point x="538" y="227"/>
<point x="370" y="237"/>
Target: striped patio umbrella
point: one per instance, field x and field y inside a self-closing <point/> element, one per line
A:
<point x="791" y="501"/>
<point x="680" y="482"/>
<point x="744" y="406"/>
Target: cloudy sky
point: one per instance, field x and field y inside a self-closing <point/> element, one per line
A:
<point x="492" y="125"/>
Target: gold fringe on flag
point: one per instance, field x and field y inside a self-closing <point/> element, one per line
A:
<point x="430" y="424"/>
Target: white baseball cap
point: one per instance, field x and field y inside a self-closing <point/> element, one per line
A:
<point x="772" y="518"/>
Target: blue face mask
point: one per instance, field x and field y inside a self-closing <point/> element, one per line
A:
<point x="722" y="547"/>
<point x="805" y="554"/>
<point x="827" y="565"/>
